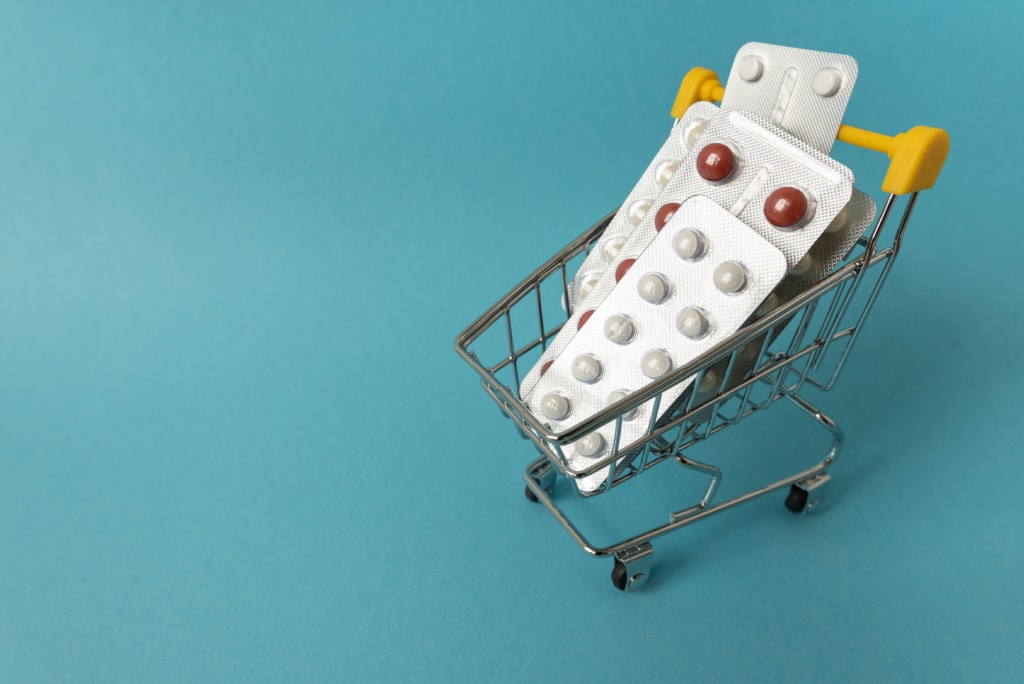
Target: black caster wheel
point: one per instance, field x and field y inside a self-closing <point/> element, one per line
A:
<point x="632" y="567"/>
<point x="530" y="496"/>
<point x="797" y="499"/>
<point x="620" y="577"/>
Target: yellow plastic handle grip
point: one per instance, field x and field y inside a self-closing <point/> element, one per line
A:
<point x="915" y="157"/>
<point x="699" y="85"/>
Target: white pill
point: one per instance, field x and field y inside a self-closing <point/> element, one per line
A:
<point x="664" y="172"/>
<point x="587" y="283"/>
<point x="586" y="368"/>
<point x="689" y="244"/>
<point x="693" y="322"/>
<point x="769" y="304"/>
<point x="692" y="131"/>
<point x="619" y="395"/>
<point x="709" y="383"/>
<point x="611" y="248"/>
<point x="590" y="445"/>
<point x="619" y="329"/>
<point x="803" y="266"/>
<point x="653" y="288"/>
<point x="730" y="277"/>
<point x="655" y="363"/>
<point x="554" y="406"/>
<point x="827" y="82"/>
<point x="839" y="222"/>
<point x="750" y="68"/>
<point x="637" y="210"/>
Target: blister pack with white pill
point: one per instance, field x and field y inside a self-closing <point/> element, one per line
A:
<point x="702" y="276"/>
<point x="820" y="261"/>
<point x="645" y="194"/>
<point x="804" y="92"/>
<point x="788" y="192"/>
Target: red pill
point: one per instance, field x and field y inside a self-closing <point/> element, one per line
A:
<point x="544" y="368"/>
<point x="786" y="207"/>
<point x="665" y="215"/>
<point x="583" y="319"/>
<point x="621" y="269"/>
<point x="716" y="162"/>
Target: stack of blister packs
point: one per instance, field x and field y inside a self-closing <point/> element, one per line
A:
<point x="741" y="210"/>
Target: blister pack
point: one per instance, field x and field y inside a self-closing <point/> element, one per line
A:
<point x="820" y="261"/>
<point x="785" y="190"/>
<point x="702" y="276"/>
<point x="804" y="92"/>
<point x="644" y="195"/>
<point x="830" y="249"/>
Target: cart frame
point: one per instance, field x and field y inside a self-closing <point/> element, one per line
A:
<point x="785" y="372"/>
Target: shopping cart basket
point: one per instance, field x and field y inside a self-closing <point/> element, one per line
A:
<point x="803" y="343"/>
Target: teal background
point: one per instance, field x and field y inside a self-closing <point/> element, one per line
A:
<point x="238" y="240"/>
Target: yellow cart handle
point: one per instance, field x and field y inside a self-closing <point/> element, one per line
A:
<point x="915" y="156"/>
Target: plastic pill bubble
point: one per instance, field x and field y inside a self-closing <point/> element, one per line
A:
<point x="653" y="288"/>
<point x="693" y="322"/>
<point x="590" y="445"/>
<point x="839" y="222"/>
<point x="787" y="208"/>
<point x="664" y="172"/>
<point x="586" y="368"/>
<point x="619" y="329"/>
<point x="750" y="68"/>
<point x="638" y="209"/>
<point x="709" y="383"/>
<point x="623" y="268"/>
<point x="584" y="317"/>
<point x="587" y="283"/>
<point x="803" y="266"/>
<point x="716" y="162"/>
<point x="690" y="244"/>
<point x="692" y="132"/>
<point x="827" y="82"/>
<point x="665" y="215"/>
<point x="619" y="395"/>
<point x="730" y="277"/>
<point x="554" y="406"/>
<point x="611" y="248"/>
<point x="655" y="363"/>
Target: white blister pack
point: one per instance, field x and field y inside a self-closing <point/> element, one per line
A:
<point x="785" y="190"/>
<point x="804" y="92"/>
<point x="831" y="248"/>
<point x="702" y="276"/>
<point x="644" y="195"/>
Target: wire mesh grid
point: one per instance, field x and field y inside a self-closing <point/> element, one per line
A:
<point x="803" y="342"/>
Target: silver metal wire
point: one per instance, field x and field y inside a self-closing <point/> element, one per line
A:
<point x="792" y="342"/>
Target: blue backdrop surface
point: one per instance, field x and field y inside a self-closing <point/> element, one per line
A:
<point x="236" y="444"/>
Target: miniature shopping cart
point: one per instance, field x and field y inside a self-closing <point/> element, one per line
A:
<point x="805" y="342"/>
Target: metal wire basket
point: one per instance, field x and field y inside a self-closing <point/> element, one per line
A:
<point x="806" y="341"/>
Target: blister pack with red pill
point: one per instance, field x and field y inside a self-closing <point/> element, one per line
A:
<point x="788" y="192"/>
<point x="644" y="195"/>
<point x="702" y="276"/>
<point x="803" y="92"/>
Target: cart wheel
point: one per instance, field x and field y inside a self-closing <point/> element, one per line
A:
<point x="619" y="575"/>
<point x="795" y="502"/>
<point x="804" y="496"/>
<point x="632" y="567"/>
<point x="543" y="475"/>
